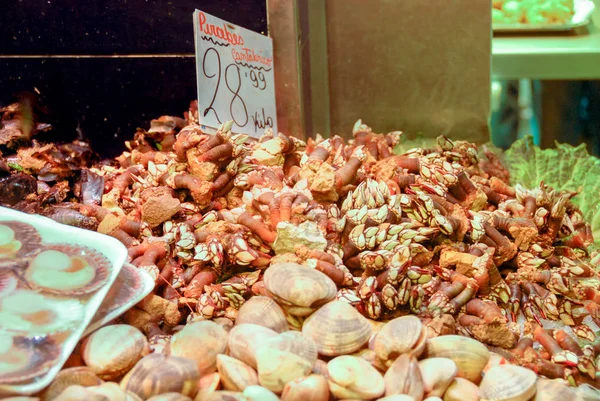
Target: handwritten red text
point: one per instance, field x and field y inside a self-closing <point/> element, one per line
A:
<point x="219" y="32"/>
<point x="248" y="55"/>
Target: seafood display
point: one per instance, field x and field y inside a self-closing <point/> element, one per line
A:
<point x="51" y="284"/>
<point x="327" y="269"/>
<point x="130" y="287"/>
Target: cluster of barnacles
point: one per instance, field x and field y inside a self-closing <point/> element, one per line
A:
<point x="436" y="232"/>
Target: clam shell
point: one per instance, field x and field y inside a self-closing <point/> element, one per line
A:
<point x="438" y="374"/>
<point x="38" y="274"/>
<point x="170" y="397"/>
<point x="223" y="395"/>
<point x="21" y="398"/>
<point x="585" y="392"/>
<point x="235" y="375"/>
<point x="370" y="356"/>
<point x="207" y="385"/>
<point x="397" y="397"/>
<point x="404" y="377"/>
<point x="353" y="377"/>
<point x="24" y="241"/>
<point x="402" y="335"/>
<point x="264" y="312"/>
<point x="300" y="288"/>
<point x="295" y="342"/>
<point x="8" y="282"/>
<point x="470" y="356"/>
<point x="112" y="392"/>
<point x="32" y="314"/>
<point x="112" y="350"/>
<point x="553" y="390"/>
<point x="81" y="375"/>
<point x="158" y="374"/>
<point x="258" y="393"/>
<point x="320" y="368"/>
<point x="201" y="342"/>
<point x="277" y="367"/>
<point x="80" y="393"/>
<point x="22" y="358"/>
<point x="309" y="388"/>
<point x="224" y="322"/>
<point x="508" y="383"/>
<point x="337" y="329"/>
<point x="245" y="339"/>
<point x="462" y="390"/>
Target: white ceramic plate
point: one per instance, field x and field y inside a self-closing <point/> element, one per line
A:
<point x="583" y="16"/>
<point x="130" y="287"/>
<point x="52" y="232"/>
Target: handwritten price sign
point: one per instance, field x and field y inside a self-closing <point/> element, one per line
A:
<point x="234" y="70"/>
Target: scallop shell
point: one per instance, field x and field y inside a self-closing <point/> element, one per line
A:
<point x="337" y="329"/>
<point x="80" y="375"/>
<point x="308" y="388"/>
<point x="470" y="356"/>
<point x="235" y="375"/>
<point x="352" y="377"/>
<point x="295" y="342"/>
<point x="36" y="356"/>
<point x="402" y="335"/>
<point x="245" y="339"/>
<point x="158" y="374"/>
<point x="112" y="350"/>
<point x="508" y="383"/>
<point x="19" y="309"/>
<point x="300" y="288"/>
<point x="91" y="258"/>
<point x="13" y="235"/>
<point x="201" y="342"/>
<point x="264" y="312"/>
<point x="8" y="282"/>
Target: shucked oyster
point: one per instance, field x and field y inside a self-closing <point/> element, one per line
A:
<point x="33" y="314"/>
<point x="24" y="358"/>
<point x="17" y="241"/>
<point x="67" y="270"/>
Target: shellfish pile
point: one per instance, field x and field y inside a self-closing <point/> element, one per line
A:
<point x="336" y="269"/>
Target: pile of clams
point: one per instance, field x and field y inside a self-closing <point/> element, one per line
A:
<point x="333" y="353"/>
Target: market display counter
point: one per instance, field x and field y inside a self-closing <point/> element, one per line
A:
<point x="572" y="55"/>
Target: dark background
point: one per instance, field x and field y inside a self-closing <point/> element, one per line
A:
<point x="105" y="67"/>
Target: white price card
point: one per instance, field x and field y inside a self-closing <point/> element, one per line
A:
<point x="234" y="70"/>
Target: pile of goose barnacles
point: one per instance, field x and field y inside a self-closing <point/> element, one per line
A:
<point x="332" y="268"/>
